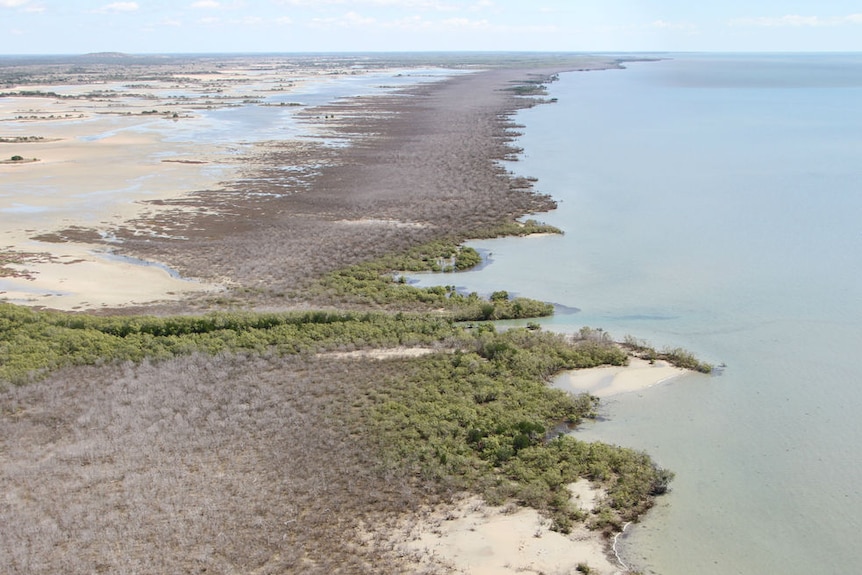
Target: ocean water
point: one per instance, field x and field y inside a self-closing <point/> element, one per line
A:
<point x="714" y="202"/>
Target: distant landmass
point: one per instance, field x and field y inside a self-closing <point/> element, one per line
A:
<point x="107" y="55"/>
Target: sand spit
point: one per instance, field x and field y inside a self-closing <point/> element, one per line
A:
<point x="638" y="375"/>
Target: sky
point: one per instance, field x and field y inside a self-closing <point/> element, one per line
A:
<point x="205" y="26"/>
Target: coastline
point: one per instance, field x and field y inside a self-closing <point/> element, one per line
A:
<point x="206" y="209"/>
<point x="391" y="181"/>
<point x="608" y="381"/>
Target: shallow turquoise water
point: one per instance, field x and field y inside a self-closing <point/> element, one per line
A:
<point x="713" y="202"/>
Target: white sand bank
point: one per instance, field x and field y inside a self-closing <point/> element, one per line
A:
<point x="474" y="538"/>
<point x="640" y="374"/>
<point x="387" y="353"/>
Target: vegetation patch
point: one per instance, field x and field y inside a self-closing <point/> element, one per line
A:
<point x="380" y="282"/>
<point x="675" y="356"/>
<point x="483" y="419"/>
<point x="33" y="343"/>
<point x="18" y="160"/>
<point x="285" y="441"/>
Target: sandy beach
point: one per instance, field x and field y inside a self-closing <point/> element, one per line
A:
<point x="474" y="538"/>
<point x="608" y="381"/>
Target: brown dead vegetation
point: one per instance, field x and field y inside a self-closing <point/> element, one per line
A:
<point x="427" y="155"/>
<point x="229" y="464"/>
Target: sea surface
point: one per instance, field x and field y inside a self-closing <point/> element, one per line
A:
<point x="714" y="202"/>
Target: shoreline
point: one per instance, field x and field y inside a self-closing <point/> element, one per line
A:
<point x="608" y="381"/>
<point x="124" y="159"/>
<point x="190" y="207"/>
<point x="472" y="537"/>
<point x="390" y="181"/>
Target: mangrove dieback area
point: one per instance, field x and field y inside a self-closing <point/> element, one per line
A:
<point x="258" y="428"/>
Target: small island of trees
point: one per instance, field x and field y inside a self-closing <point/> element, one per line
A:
<point x="16" y="159"/>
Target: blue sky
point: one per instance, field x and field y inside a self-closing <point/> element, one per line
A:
<point x="170" y="26"/>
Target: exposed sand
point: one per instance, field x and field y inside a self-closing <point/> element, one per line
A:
<point x="95" y="169"/>
<point x="474" y="538"/>
<point x="379" y="354"/>
<point x="78" y="276"/>
<point x="108" y="151"/>
<point x="640" y="374"/>
<point x="97" y="185"/>
<point x="116" y="160"/>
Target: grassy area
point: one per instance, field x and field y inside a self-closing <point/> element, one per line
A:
<point x="33" y="343"/>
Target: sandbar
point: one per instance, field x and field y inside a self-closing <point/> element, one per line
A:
<point x="607" y="381"/>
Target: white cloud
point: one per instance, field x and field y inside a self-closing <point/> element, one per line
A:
<point x="348" y="20"/>
<point x="206" y="4"/>
<point x="12" y="3"/>
<point x="407" y="4"/>
<point x="797" y="21"/>
<point x="119" y="7"/>
<point x="463" y="24"/>
<point x="171" y="23"/>
<point x="466" y="24"/>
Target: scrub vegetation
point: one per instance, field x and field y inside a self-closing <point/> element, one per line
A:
<point x="677" y="356"/>
<point x="242" y="442"/>
<point x="250" y="442"/>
